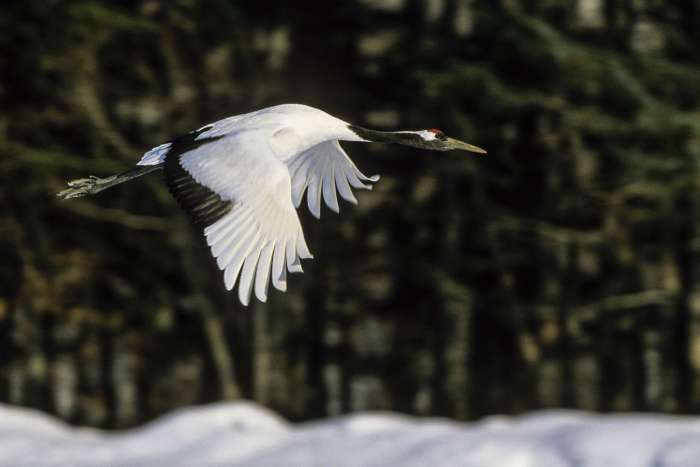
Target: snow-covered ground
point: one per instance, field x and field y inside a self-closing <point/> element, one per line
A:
<point x="244" y="434"/>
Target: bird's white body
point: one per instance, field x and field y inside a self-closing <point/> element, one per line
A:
<point x="290" y="129"/>
<point x="263" y="162"/>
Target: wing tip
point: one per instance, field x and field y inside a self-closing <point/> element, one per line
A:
<point x="245" y="300"/>
<point x="314" y="208"/>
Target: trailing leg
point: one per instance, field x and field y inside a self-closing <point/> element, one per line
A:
<point x="91" y="185"/>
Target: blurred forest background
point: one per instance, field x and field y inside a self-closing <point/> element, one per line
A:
<point x="561" y="270"/>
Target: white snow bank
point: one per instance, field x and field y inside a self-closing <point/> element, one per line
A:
<point x="244" y="434"/>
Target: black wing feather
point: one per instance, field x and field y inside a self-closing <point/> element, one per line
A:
<point x="202" y="204"/>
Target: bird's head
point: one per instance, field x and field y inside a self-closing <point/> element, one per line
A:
<point x="436" y="140"/>
<point x="432" y="139"/>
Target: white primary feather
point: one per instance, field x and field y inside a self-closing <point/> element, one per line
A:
<point x="279" y="272"/>
<point x="319" y="171"/>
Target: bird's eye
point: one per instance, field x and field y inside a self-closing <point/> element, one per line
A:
<point x="439" y="134"/>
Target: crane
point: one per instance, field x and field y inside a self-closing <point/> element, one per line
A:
<point x="242" y="177"/>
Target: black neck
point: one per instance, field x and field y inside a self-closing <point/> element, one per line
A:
<point x="405" y="138"/>
<point x="397" y="137"/>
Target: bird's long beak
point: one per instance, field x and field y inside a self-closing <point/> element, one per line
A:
<point x="455" y="144"/>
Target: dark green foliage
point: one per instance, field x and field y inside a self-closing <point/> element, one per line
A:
<point x="559" y="270"/>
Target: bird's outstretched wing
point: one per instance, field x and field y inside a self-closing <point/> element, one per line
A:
<point x="235" y="187"/>
<point x="321" y="170"/>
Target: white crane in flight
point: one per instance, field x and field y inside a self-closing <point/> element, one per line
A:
<point x="241" y="178"/>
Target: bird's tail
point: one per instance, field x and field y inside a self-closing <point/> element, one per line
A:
<point x="91" y="185"/>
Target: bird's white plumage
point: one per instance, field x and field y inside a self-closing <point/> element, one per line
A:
<point x="263" y="162"/>
<point x="263" y="217"/>
<point x="427" y="135"/>
<point x="156" y="155"/>
<point x="320" y="171"/>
